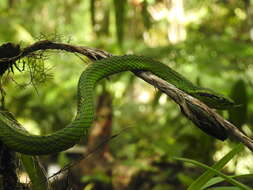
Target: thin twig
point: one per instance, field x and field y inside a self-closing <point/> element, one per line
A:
<point x="87" y="154"/>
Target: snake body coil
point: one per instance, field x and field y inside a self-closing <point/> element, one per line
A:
<point x="65" y="138"/>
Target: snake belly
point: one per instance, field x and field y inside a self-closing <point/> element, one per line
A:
<point x="67" y="137"/>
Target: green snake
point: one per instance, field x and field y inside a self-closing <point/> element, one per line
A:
<point x="67" y="137"/>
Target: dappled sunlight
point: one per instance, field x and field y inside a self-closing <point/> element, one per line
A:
<point x="142" y="93"/>
<point x="163" y="99"/>
<point x="247" y="130"/>
<point x="144" y="97"/>
<point x="139" y="129"/>
<point x="23" y="34"/>
<point x="24" y="178"/>
<point x="176" y="18"/>
<point x="242" y="164"/>
<point x="173" y="12"/>
<point x="31" y="126"/>
<point x="120" y="86"/>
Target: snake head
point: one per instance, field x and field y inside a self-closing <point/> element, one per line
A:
<point x="213" y="99"/>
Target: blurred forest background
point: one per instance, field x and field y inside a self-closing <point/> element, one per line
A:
<point x="210" y="42"/>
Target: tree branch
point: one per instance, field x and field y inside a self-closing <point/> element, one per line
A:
<point x="199" y="113"/>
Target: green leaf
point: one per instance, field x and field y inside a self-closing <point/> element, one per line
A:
<point x="120" y="7"/>
<point x="227" y="178"/>
<point x="145" y="15"/>
<point x="204" y="178"/>
<point x="35" y="172"/>
<point x="225" y="188"/>
<point x="92" y="13"/>
<point x="216" y="180"/>
<point x="238" y="115"/>
<point x="212" y="181"/>
<point x="184" y="179"/>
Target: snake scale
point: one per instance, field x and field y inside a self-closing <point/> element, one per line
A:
<point x="20" y="141"/>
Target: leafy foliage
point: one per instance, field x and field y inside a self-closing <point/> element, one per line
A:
<point x="217" y="54"/>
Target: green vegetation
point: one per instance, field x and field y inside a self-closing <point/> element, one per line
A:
<point x="209" y="42"/>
